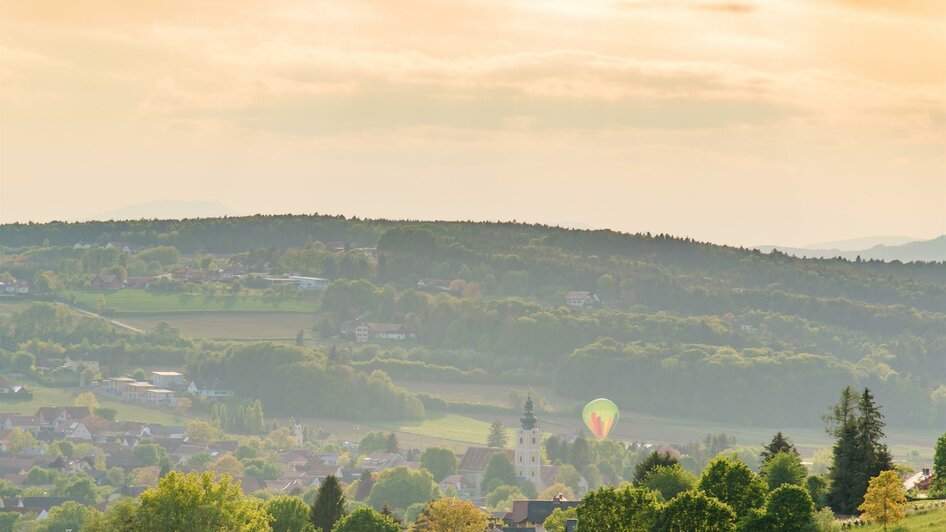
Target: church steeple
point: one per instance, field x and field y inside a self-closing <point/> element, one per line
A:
<point x="528" y="418"/>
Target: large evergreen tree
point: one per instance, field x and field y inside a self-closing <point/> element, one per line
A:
<point x="329" y="504"/>
<point x="938" y="485"/>
<point x="859" y="453"/>
<point x="779" y="444"/>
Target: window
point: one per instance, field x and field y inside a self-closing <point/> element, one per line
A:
<point x="520" y="459"/>
<point x="520" y="440"/>
<point x="533" y="459"/>
<point x="533" y="440"/>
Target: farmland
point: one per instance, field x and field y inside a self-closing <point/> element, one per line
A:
<point x="135" y="301"/>
<point x="277" y="326"/>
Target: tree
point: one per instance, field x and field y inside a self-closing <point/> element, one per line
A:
<point x="784" y="468"/>
<point x="790" y="508"/>
<point x="183" y="405"/>
<point x="227" y="465"/>
<point x="329" y="504"/>
<point x="20" y="439"/>
<point x="556" y="489"/>
<point x="108" y="413"/>
<point x="151" y="454"/>
<point x="618" y="510"/>
<point x="501" y="497"/>
<point x="779" y="444"/>
<point x="197" y="502"/>
<point x="440" y="462"/>
<point x="79" y="487"/>
<point x="885" y="500"/>
<point x="450" y="515"/>
<point x="87" y="399"/>
<point x="650" y="462"/>
<point x="555" y="522"/>
<point x="23" y="362"/>
<point x="372" y="442"/>
<point x="69" y="515"/>
<point x="401" y="487"/>
<point x="668" y="481"/>
<point x="875" y="455"/>
<point x="365" y="483"/>
<point x="499" y="472"/>
<point x="731" y="481"/>
<point x="200" y="431"/>
<point x="364" y="519"/>
<point x="290" y="514"/>
<point x="694" y="510"/>
<point x="281" y="439"/>
<point x="391" y="444"/>
<point x="497" y="435"/>
<point x="938" y="485"/>
<point x="568" y="475"/>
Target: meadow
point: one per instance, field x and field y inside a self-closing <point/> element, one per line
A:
<point x="135" y="301"/>
<point x="276" y="326"/>
<point x="920" y="516"/>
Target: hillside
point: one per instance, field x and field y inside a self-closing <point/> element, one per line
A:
<point x="672" y="326"/>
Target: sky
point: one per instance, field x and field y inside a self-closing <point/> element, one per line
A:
<point x="740" y="122"/>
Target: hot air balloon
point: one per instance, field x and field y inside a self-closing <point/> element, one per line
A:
<point x="600" y="415"/>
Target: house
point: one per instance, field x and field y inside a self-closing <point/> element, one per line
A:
<point x="76" y="430"/>
<point x="106" y="281"/>
<point x="531" y="514"/>
<point x="82" y="245"/>
<point x="168" y="379"/>
<point x="362" y="332"/>
<point x="76" y="365"/>
<point x="463" y="488"/>
<point x="208" y="388"/>
<point x="52" y="416"/>
<point x="389" y="331"/>
<point x="380" y="460"/>
<point x="135" y="391"/>
<point x="473" y="464"/>
<point x="436" y="284"/>
<point x="311" y="283"/>
<point x="581" y="299"/>
<point x="326" y="439"/>
<point x="16" y="421"/>
<point x="137" y="282"/>
<point x="116" y="385"/>
<point x="160" y="397"/>
<point x="16" y="286"/>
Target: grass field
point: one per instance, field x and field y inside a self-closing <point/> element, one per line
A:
<point x="44" y="396"/>
<point x="920" y="516"/>
<point x="133" y="301"/>
<point x="230" y="325"/>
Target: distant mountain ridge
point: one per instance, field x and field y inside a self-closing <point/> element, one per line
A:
<point x="933" y="250"/>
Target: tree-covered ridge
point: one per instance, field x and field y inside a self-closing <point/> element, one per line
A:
<point x="673" y="314"/>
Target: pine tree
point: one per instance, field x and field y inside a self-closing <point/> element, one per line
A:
<point x="938" y="485"/>
<point x="391" y="444"/>
<point x="779" y="444"/>
<point x="329" y="504"/>
<point x="497" y="435"/>
<point x="876" y="455"/>
<point x="844" y="470"/>
<point x="386" y="511"/>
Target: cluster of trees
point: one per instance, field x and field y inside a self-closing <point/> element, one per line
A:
<point x="300" y="381"/>
<point x="242" y="419"/>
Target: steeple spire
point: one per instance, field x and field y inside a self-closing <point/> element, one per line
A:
<point x="528" y="418"/>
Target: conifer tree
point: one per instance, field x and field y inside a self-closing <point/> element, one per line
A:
<point x="364" y="485"/>
<point x="329" y="504"/>
<point x="779" y="444"/>
<point x="497" y="435"/>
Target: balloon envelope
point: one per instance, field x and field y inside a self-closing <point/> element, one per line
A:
<point x="600" y="416"/>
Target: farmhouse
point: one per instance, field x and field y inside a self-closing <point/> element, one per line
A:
<point x="106" y="281"/>
<point x="580" y="299"/>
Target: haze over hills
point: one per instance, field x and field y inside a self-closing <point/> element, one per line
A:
<point x="867" y="242"/>
<point x="166" y="209"/>
<point x="933" y="250"/>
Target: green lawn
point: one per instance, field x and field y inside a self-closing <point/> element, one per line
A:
<point x="920" y="516"/>
<point x="443" y="426"/>
<point x="276" y="326"/>
<point x="134" y="301"/>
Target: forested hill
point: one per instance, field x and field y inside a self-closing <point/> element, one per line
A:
<point x="682" y="327"/>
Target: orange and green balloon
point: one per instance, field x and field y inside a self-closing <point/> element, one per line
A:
<point x="600" y="416"/>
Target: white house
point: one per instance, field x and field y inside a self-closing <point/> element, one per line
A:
<point x="160" y="397"/>
<point x="167" y="379"/>
<point x="580" y="299"/>
<point x="208" y="389"/>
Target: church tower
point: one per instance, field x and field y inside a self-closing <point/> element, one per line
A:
<point x="528" y="458"/>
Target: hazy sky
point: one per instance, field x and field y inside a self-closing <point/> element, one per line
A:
<point x="747" y="122"/>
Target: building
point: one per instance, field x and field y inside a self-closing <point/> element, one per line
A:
<point x="580" y="299"/>
<point x="106" y="281"/>
<point x="528" y="456"/>
<point x="168" y="379"/>
<point x="160" y="397"/>
<point x="311" y="283"/>
<point x="529" y="515"/>
<point x="207" y="388"/>
<point x="473" y="465"/>
<point x="78" y="364"/>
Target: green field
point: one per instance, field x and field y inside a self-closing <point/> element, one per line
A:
<point x="277" y="326"/>
<point x="134" y="301"/>
<point x="920" y="516"/>
<point x="45" y="396"/>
